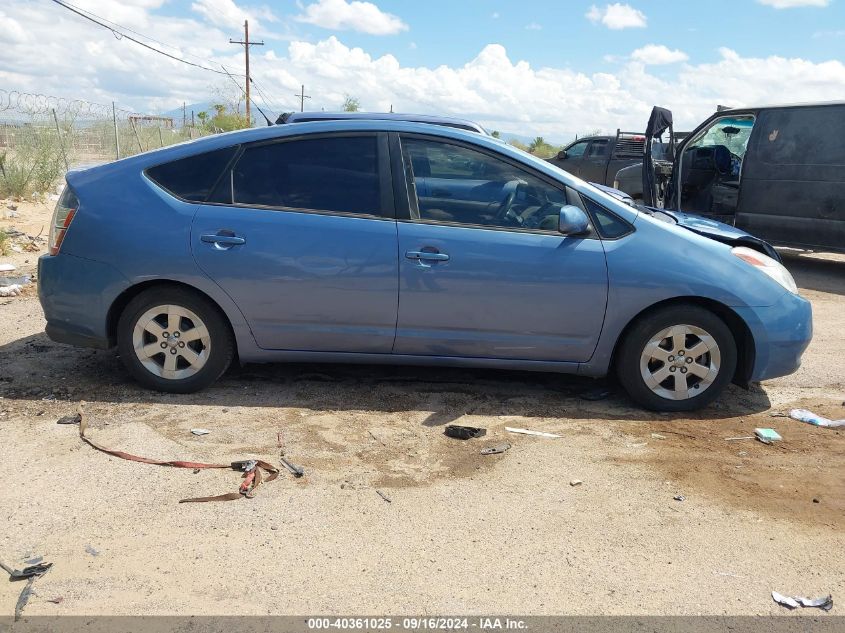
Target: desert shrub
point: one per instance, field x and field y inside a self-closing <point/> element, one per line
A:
<point x="4" y="243"/>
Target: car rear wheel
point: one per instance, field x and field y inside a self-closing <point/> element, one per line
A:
<point x="677" y="358"/>
<point x="174" y="340"/>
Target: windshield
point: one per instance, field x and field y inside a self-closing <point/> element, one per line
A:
<point x="732" y="132"/>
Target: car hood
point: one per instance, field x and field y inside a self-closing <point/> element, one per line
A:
<point x="720" y="232"/>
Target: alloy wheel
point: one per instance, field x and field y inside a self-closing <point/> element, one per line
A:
<point x="171" y="342"/>
<point x="680" y="362"/>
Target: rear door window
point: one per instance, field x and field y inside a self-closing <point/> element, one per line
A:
<point x="334" y="174"/>
<point x="192" y="178"/>
<point x="598" y="149"/>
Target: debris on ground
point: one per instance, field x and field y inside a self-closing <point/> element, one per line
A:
<point x="252" y="469"/>
<point x="7" y="268"/>
<point x="34" y="561"/>
<point x="529" y="432"/>
<point x="679" y="498"/>
<point x="32" y="574"/>
<point x="575" y="482"/>
<point x="70" y="419"/>
<point x="383" y="496"/>
<point x="793" y="602"/>
<point x="56" y="600"/>
<point x="597" y="393"/>
<point x="464" y="432"/>
<point x="496" y="449"/>
<point x="11" y="291"/>
<point x="778" y="414"/>
<point x="92" y="551"/>
<point x="21" y="280"/>
<point x="27" y="572"/>
<point x="767" y="436"/>
<point x="802" y="415"/>
<point x="658" y="436"/>
<point x="743" y="437"/>
<point x="200" y="431"/>
<point x="295" y="470"/>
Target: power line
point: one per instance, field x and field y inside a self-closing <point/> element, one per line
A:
<point x="117" y="33"/>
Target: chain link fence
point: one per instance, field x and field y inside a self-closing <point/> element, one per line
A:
<point x="41" y="137"/>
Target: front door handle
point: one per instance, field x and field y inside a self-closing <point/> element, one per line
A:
<point x="422" y="257"/>
<point x="223" y="240"/>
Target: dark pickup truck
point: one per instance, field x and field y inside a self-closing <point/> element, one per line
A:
<point x="598" y="158"/>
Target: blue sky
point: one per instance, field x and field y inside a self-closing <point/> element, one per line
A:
<point x="532" y="67"/>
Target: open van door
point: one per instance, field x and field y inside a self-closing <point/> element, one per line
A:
<point x="657" y="173"/>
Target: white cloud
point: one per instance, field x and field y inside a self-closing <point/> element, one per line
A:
<point x="495" y="15"/>
<point x="790" y="4"/>
<point x="656" y="54"/>
<point x="533" y="26"/>
<point x="490" y="88"/>
<point x="342" y="15"/>
<point x="617" y="16"/>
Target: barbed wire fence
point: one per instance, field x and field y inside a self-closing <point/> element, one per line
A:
<point x="42" y="136"/>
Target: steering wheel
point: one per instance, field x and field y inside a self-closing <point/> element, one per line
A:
<point x="504" y="210"/>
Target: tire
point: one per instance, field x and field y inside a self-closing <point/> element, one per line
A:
<point x="653" y="362"/>
<point x="174" y="340"/>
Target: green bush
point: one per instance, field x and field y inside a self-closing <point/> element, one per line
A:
<point x="4" y="243"/>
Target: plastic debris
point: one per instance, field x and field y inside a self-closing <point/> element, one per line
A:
<point x="7" y="268"/>
<point x="200" y="431"/>
<point x="496" y="449"/>
<point x="679" y="498"/>
<point x="464" y="432"/>
<point x="802" y="415"/>
<point x="658" y="436"/>
<point x="92" y="551"/>
<point x="56" y="600"/>
<point x="10" y="291"/>
<point x="32" y="574"/>
<point x="528" y="432"/>
<point x="793" y="602"/>
<point x="744" y="437"/>
<point x="767" y="436"/>
<point x="383" y="496"/>
<point x="575" y="482"/>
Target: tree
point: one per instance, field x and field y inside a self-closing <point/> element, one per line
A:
<point x="536" y="144"/>
<point x="496" y="134"/>
<point x="351" y="104"/>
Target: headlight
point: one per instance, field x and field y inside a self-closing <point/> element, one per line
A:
<point x="767" y="265"/>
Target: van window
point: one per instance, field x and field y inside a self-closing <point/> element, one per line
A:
<point x="802" y="136"/>
<point x="338" y="174"/>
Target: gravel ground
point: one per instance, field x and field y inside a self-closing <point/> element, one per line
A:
<point x="462" y="533"/>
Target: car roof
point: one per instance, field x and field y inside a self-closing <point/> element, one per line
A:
<point x="773" y="106"/>
<point x="446" y="121"/>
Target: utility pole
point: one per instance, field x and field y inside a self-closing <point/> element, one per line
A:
<point x="302" y="97"/>
<point x="246" y="44"/>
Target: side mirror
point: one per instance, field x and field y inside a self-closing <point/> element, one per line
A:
<point x="561" y="155"/>
<point x="573" y="221"/>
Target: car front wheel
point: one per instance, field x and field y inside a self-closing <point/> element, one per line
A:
<point x="174" y="340"/>
<point x="677" y="358"/>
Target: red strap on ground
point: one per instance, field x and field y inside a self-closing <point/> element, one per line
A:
<point x="252" y="478"/>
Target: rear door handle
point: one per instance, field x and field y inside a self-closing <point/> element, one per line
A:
<point x="223" y="240"/>
<point x="425" y="256"/>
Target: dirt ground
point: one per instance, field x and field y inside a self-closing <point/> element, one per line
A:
<point x="462" y="533"/>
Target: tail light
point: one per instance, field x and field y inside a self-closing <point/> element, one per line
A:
<point x="62" y="217"/>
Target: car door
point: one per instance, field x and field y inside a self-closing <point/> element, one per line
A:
<point x="494" y="279"/>
<point x="571" y="159"/>
<point x="300" y="234"/>
<point x="594" y="163"/>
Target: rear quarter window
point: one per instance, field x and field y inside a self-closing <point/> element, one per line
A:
<point x="194" y="177"/>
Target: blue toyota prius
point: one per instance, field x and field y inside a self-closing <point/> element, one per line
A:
<point x="384" y="241"/>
